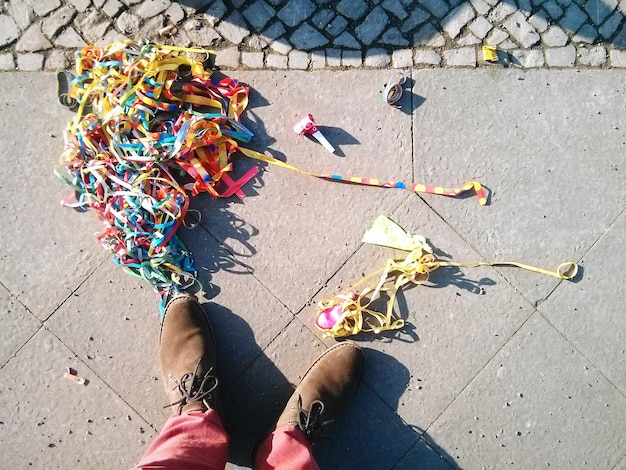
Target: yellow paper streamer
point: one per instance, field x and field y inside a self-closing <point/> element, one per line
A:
<point x="349" y="314"/>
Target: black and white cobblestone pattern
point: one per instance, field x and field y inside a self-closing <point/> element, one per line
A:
<point x="318" y="34"/>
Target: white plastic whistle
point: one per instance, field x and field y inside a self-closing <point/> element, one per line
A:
<point x="307" y="126"/>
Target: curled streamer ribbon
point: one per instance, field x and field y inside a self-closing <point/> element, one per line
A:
<point x="393" y="89"/>
<point x="350" y="313"/>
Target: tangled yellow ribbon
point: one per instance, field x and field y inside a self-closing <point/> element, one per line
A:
<point x="351" y="313"/>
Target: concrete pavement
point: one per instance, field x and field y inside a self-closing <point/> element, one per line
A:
<point x="496" y="367"/>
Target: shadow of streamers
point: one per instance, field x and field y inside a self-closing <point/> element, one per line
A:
<point x="318" y="25"/>
<point x="253" y="122"/>
<point x="212" y="254"/>
<point x="453" y="276"/>
<point x="261" y="141"/>
<point x="371" y="434"/>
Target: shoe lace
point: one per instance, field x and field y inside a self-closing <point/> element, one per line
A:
<point x="194" y="388"/>
<point x="309" y="421"/>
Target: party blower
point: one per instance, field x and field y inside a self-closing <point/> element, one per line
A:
<point x="307" y="126"/>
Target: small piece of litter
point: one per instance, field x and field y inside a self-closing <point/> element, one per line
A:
<point x="490" y="54"/>
<point x="167" y="30"/>
<point x="70" y="374"/>
<point x="393" y="89"/>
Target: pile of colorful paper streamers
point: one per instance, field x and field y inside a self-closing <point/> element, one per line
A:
<point x="350" y="313"/>
<point x="153" y="125"/>
<point x="145" y="113"/>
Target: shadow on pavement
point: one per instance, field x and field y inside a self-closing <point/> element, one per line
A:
<point x="221" y="225"/>
<point x="428" y="454"/>
<point x="453" y="276"/>
<point x="410" y="101"/>
<point x="251" y="404"/>
<point x="370" y="431"/>
<point x="358" y="26"/>
<point x="371" y="434"/>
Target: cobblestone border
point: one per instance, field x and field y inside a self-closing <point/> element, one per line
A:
<point x="319" y="34"/>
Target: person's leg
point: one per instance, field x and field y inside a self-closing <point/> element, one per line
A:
<point x="324" y="393"/>
<point x="193" y="438"/>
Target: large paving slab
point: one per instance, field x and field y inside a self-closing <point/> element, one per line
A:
<point x="39" y="238"/>
<point x="294" y="230"/>
<point x="590" y="314"/>
<point x="538" y="393"/>
<point x="264" y="260"/>
<point x="50" y="422"/>
<point x="546" y="143"/>
<point x="112" y="323"/>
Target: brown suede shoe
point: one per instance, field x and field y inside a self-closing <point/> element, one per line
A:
<point x="187" y="356"/>
<point x="325" y="391"/>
